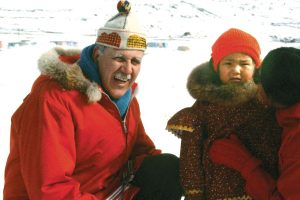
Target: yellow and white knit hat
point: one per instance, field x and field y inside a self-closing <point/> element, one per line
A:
<point x="123" y="30"/>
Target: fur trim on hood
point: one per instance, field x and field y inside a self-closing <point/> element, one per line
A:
<point x="70" y="76"/>
<point x="202" y="86"/>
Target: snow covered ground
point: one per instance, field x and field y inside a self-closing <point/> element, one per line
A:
<point x="30" y="26"/>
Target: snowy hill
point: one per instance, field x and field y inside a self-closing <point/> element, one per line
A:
<point x="35" y="22"/>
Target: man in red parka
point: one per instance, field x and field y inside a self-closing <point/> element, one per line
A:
<point x="78" y="135"/>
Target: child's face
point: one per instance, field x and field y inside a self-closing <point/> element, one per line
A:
<point x="236" y="68"/>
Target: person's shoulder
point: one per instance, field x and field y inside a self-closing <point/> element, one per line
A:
<point x="183" y="121"/>
<point x="44" y="91"/>
<point x="66" y="75"/>
<point x="46" y="88"/>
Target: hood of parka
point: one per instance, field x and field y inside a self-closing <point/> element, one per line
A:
<point x="68" y="75"/>
<point x="202" y="86"/>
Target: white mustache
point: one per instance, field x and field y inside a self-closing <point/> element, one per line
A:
<point x="122" y="76"/>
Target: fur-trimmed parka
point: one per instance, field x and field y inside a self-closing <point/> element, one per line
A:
<point x="68" y="140"/>
<point x="220" y="110"/>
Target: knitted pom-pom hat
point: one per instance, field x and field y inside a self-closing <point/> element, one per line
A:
<point x="123" y="30"/>
<point x="235" y="41"/>
<point x="280" y="75"/>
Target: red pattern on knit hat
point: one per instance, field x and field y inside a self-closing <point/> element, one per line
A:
<point x="235" y="41"/>
<point x="112" y="39"/>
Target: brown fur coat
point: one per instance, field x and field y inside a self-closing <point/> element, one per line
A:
<point x="218" y="111"/>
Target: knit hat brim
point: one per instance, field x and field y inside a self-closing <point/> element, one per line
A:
<point x="121" y="39"/>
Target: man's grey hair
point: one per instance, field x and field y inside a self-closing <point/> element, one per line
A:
<point x="101" y="48"/>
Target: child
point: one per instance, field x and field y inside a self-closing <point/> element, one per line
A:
<point x="280" y="78"/>
<point x="226" y="102"/>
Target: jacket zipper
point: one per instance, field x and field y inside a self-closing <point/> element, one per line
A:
<point x="127" y="175"/>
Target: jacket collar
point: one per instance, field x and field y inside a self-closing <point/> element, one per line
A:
<point x="69" y="76"/>
<point x="202" y="86"/>
<point x="289" y="116"/>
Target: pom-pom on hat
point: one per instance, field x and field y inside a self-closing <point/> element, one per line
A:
<point x="280" y="75"/>
<point x="235" y="41"/>
<point x="122" y="31"/>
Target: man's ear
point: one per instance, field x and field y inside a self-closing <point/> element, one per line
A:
<point x="96" y="54"/>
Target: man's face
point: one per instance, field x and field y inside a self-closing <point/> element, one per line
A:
<point x="236" y="68"/>
<point x="118" y="69"/>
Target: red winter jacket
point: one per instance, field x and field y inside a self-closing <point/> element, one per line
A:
<point x="287" y="186"/>
<point x="288" y="183"/>
<point x="68" y="141"/>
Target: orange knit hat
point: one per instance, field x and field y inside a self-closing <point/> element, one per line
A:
<point x="235" y="41"/>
